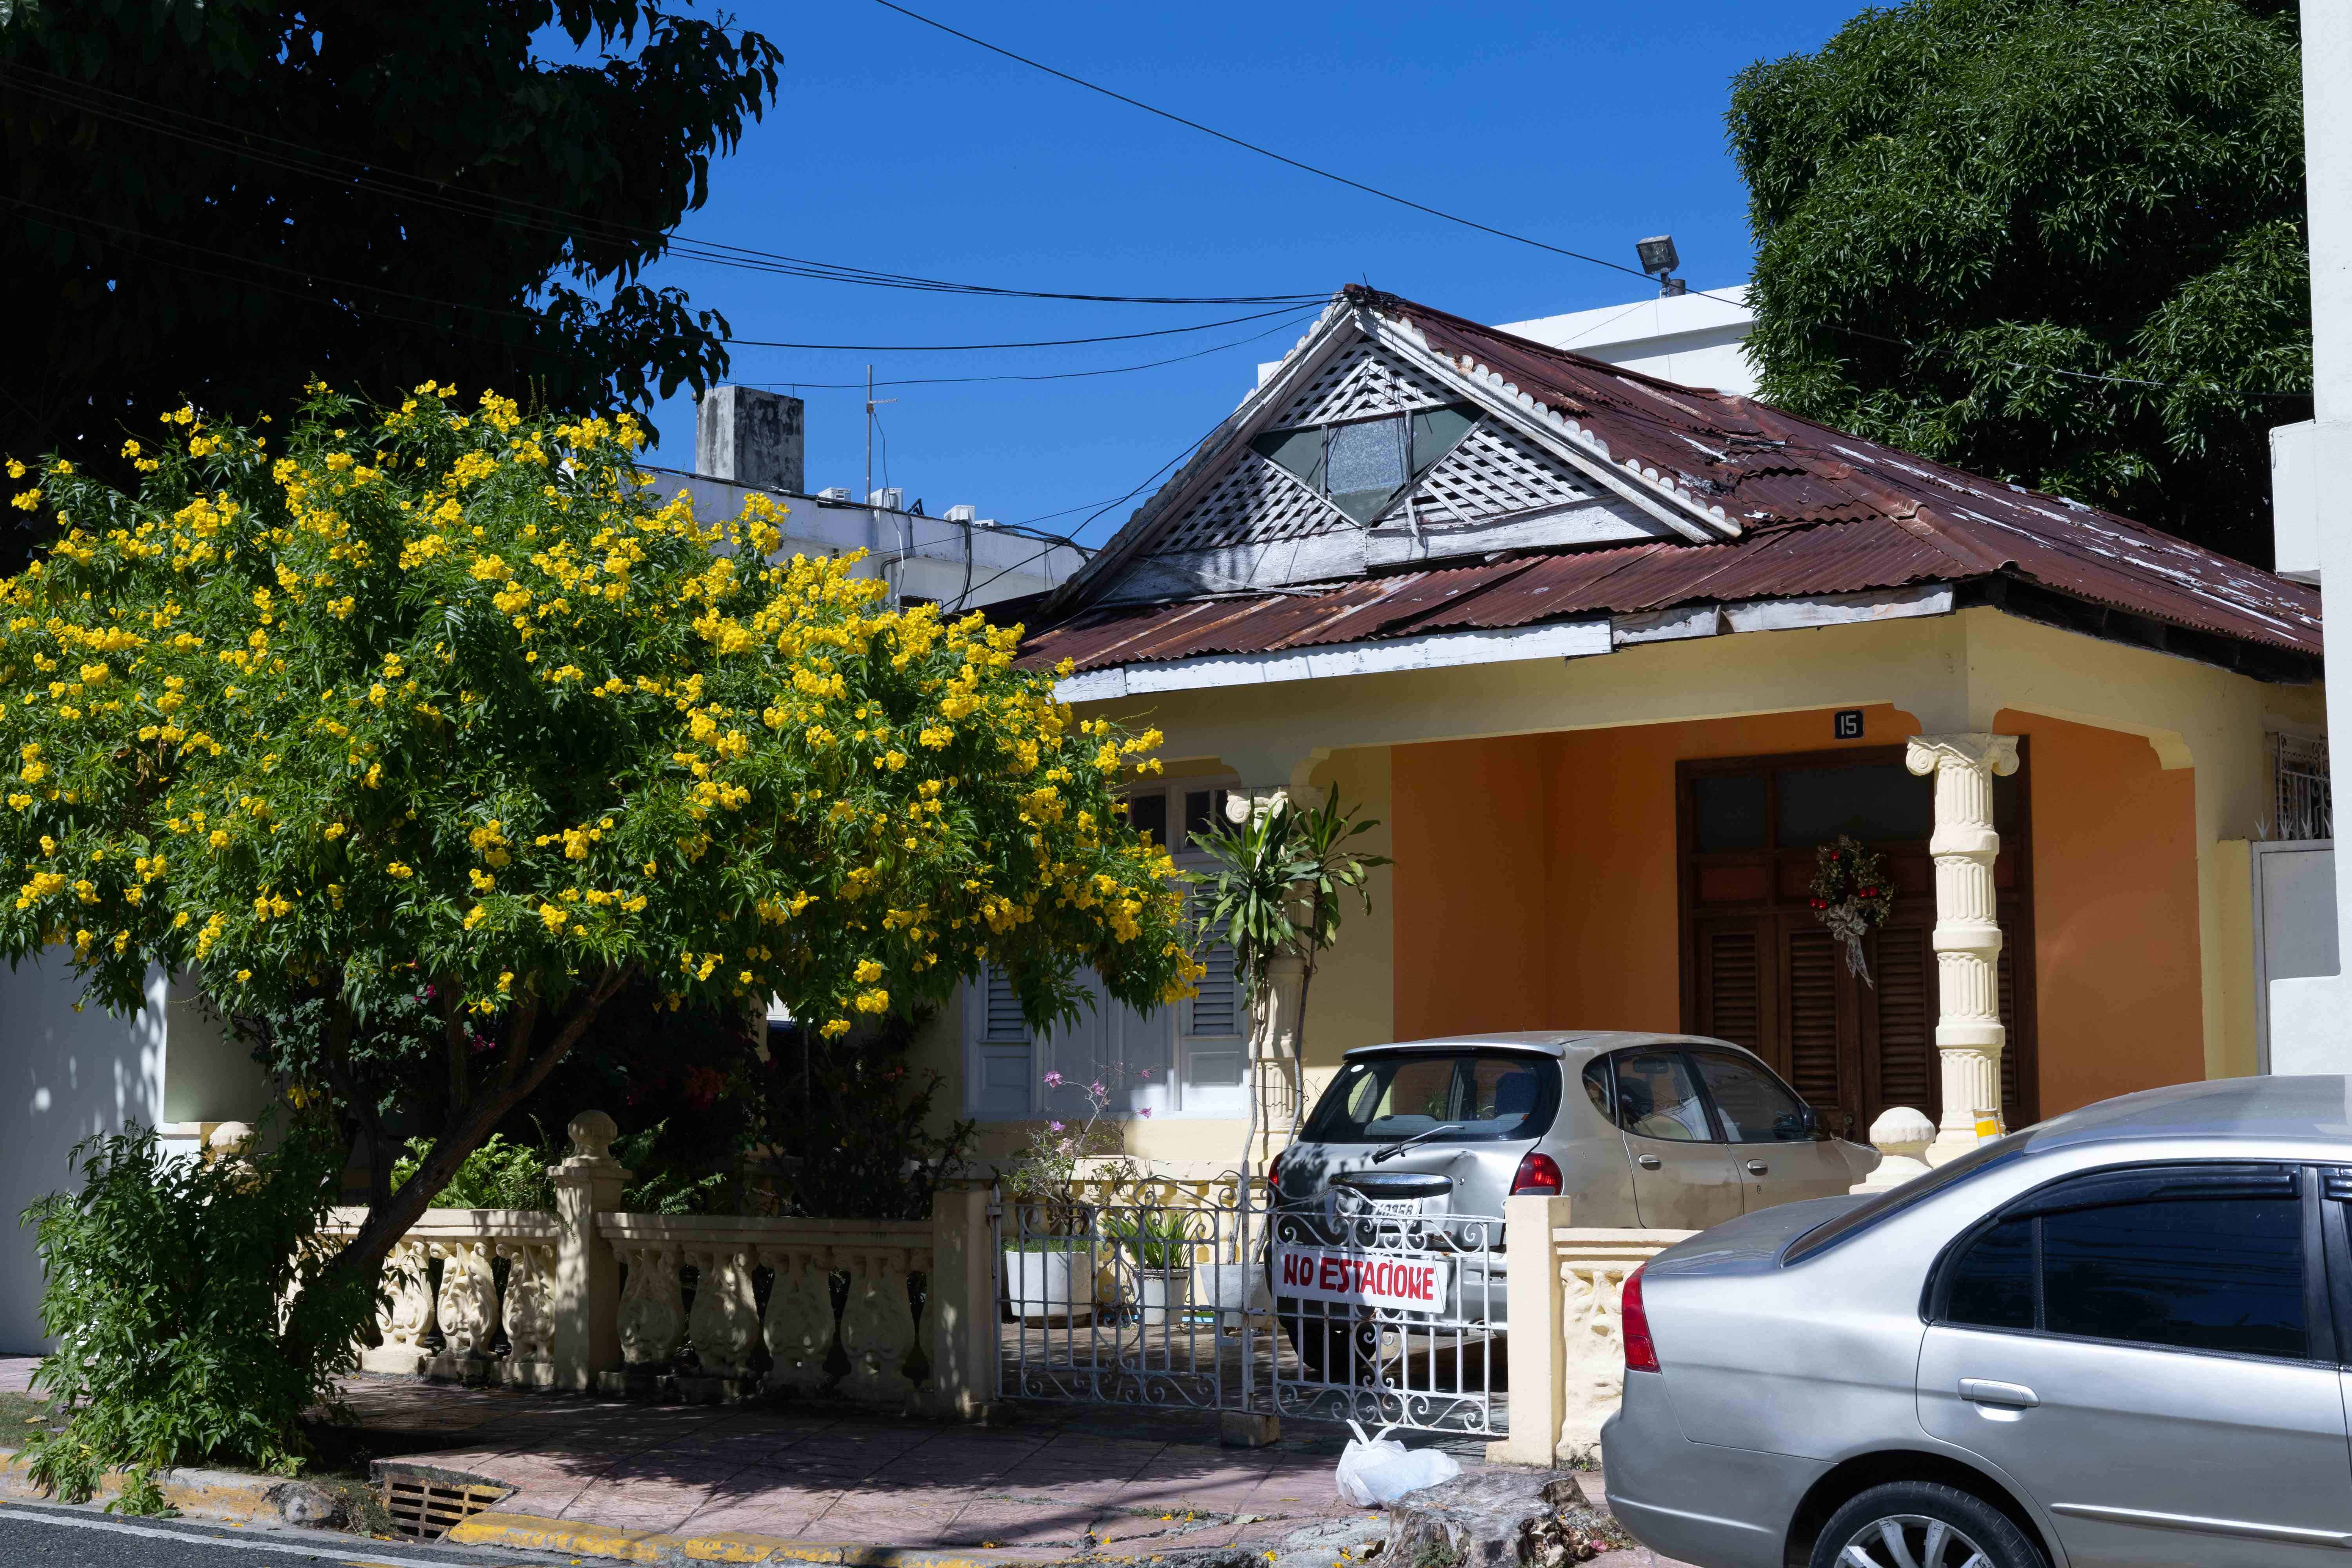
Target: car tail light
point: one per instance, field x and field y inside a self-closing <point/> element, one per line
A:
<point x="1633" y="1321"/>
<point x="1274" y="1175"/>
<point x="1538" y="1175"/>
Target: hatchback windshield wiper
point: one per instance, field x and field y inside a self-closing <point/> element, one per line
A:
<point x="1402" y="1144"/>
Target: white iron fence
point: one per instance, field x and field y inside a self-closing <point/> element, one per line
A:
<point x="1217" y="1301"/>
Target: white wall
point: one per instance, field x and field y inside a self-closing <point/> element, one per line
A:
<point x="1695" y="340"/>
<point x="929" y="556"/>
<point x="63" y="1076"/>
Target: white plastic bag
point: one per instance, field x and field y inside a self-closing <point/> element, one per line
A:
<point x="1374" y="1472"/>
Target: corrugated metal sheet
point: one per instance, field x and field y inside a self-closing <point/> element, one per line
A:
<point x="1824" y="513"/>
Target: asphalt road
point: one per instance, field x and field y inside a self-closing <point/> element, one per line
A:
<point x="45" y="1537"/>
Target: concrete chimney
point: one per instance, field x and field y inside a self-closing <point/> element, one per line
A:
<point x="750" y="436"/>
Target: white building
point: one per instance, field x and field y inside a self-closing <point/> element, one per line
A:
<point x="1694" y="340"/>
<point x="748" y="441"/>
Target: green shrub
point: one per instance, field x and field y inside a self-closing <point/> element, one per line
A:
<point x="194" y="1313"/>
<point x="497" y="1175"/>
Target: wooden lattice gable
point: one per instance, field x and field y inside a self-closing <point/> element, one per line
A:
<point x="1367" y="450"/>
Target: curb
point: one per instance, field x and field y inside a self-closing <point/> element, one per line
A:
<point x="529" y="1533"/>
<point x="207" y="1494"/>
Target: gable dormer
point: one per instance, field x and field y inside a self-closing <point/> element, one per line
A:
<point x="1364" y="451"/>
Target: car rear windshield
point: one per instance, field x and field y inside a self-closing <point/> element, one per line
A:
<point x="1438" y="1096"/>
<point x="1896" y="1199"/>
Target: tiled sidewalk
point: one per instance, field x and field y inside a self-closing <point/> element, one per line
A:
<point x="1045" y="1485"/>
<point x="1059" y="1482"/>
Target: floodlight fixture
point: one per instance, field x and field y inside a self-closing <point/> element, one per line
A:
<point x="1658" y="257"/>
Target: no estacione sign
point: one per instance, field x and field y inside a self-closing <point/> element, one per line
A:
<point x="1414" y="1284"/>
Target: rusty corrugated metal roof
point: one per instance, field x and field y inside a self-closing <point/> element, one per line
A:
<point x="1821" y="512"/>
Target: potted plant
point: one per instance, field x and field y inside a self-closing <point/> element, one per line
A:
<point x="1049" y="1258"/>
<point x="1161" y="1243"/>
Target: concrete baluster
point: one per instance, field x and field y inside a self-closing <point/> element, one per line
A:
<point x="585" y="1297"/>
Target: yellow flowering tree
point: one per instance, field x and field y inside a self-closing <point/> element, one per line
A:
<point x="446" y="698"/>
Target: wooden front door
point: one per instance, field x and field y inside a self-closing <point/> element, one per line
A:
<point x="1759" y="969"/>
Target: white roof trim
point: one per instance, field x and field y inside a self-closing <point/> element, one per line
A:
<point x="1702" y="523"/>
<point x="1438" y="650"/>
<point x="1505" y="645"/>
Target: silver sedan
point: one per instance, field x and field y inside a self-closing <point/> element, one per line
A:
<point x="2115" y="1338"/>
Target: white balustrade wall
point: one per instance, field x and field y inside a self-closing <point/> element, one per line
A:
<point x="592" y="1297"/>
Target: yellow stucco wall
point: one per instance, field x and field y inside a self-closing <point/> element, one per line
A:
<point x="1570" y="792"/>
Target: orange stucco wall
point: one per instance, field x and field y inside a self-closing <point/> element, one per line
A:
<point x="2115" y="914"/>
<point x="1535" y="887"/>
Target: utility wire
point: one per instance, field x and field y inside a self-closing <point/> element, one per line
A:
<point x="1039" y="344"/>
<point x="1261" y="151"/>
<point x="300" y="158"/>
<point x="1050" y="375"/>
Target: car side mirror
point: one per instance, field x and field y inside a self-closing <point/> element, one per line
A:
<point x="1804" y="1123"/>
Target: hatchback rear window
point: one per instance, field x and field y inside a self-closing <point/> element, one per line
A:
<point x="1438" y="1096"/>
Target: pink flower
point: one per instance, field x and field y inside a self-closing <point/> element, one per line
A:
<point x="1096" y="1089"/>
<point x="1146" y="1076"/>
<point x="1053" y="1080"/>
<point x="1147" y="1113"/>
<point x="1053" y="1127"/>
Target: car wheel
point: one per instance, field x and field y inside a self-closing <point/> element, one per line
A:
<point x="1919" y="1524"/>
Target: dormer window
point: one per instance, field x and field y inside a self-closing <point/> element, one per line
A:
<point x="1361" y="466"/>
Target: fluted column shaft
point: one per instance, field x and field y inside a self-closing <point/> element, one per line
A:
<point x="1970" y="1037"/>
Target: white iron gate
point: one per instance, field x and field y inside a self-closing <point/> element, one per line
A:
<point x="1330" y="1311"/>
<point x="1394" y="1317"/>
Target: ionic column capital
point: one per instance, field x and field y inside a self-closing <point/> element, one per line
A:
<point x="1977" y="752"/>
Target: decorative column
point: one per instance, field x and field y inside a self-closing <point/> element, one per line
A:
<point x="586" y="1296"/>
<point x="1969" y="1031"/>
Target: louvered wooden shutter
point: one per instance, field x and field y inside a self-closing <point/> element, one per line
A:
<point x="1004" y="1062"/>
<point x="1815" y="960"/>
<point x="1217" y="1010"/>
<point x="1905" y="969"/>
<point x="1731" y="987"/>
<point x="2012" y="1105"/>
<point x="1003" y="1020"/>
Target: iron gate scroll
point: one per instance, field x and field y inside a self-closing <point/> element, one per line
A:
<point x="1329" y="1311"/>
<point x="1395" y="1318"/>
<point x="1133" y="1304"/>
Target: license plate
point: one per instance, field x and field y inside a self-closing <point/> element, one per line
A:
<point x="1396" y="1206"/>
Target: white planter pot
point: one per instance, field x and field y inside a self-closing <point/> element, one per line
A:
<point x="1163" y="1291"/>
<point x="1234" y="1289"/>
<point x="1049" y="1286"/>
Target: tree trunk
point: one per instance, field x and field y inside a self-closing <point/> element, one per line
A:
<point x="470" y="1125"/>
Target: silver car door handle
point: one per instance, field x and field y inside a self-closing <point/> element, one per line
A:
<point x="1757" y="1167"/>
<point x="1984" y="1391"/>
<point x="1648" y="1161"/>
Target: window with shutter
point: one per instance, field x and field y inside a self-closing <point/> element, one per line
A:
<point x="1004" y="1059"/>
<point x="1905" y="969"/>
<point x="1815" y="962"/>
<point x="1731" y="980"/>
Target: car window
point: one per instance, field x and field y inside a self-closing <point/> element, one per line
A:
<point x="1437" y="1097"/>
<point x="2200" y="1274"/>
<point x="1992" y="1281"/>
<point x="2210" y="1273"/>
<point x="1596" y="1087"/>
<point x="1754" y="1106"/>
<point x="1657" y="1098"/>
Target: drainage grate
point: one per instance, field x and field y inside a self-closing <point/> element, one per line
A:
<point x="426" y="1504"/>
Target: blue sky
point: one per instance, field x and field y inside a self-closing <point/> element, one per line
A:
<point x="896" y="147"/>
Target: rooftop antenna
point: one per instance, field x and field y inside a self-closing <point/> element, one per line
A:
<point x="1657" y="254"/>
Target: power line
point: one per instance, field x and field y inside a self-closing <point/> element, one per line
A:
<point x="301" y="158"/>
<point x="1261" y="151"/>
<point x="1050" y="375"/>
<point x="1039" y="344"/>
